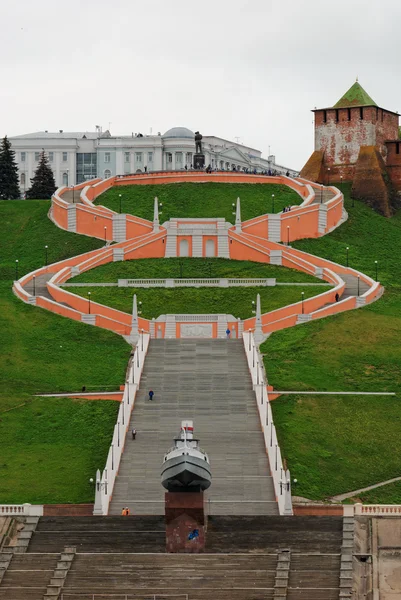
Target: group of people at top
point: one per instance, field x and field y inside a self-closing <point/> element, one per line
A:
<point x="286" y="209"/>
<point x="234" y="169"/>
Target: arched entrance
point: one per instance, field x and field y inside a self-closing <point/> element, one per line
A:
<point x="210" y="248"/>
<point x="184" y="248"/>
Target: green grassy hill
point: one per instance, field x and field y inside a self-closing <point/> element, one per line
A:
<point x="160" y="268"/>
<point x="337" y="444"/>
<point x="234" y="301"/>
<point x="199" y="199"/>
<point x="49" y="448"/>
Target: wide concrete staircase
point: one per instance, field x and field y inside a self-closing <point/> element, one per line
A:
<point x="207" y="381"/>
<point x="27" y="576"/>
<point x="119" y="557"/>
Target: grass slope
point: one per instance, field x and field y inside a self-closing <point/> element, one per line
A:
<point x="44" y="353"/>
<point x="388" y="494"/>
<point x="51" y="447"/>
<point x="337" y="444"/>
<point x="25" y="230"/>
<point x="199" y="199"/>
<point x="235" y="301"/>
<point x="354" y="351"/>
<point x="160" y="268"/>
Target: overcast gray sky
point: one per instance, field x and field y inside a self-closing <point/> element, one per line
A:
<point x="230" y="68"/>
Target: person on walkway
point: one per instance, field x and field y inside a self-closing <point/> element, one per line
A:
<point x="133" y="433"/>
<point x="228" y="333"/>
<point x="151" y="394"/>
<point x="125" y="512"/>
<point x="337" y="297"/>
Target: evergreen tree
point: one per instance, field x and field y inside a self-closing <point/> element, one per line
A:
<point x="9" y="188"/>
<point x="43" y="184"/>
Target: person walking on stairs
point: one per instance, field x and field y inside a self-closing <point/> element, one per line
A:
<point x="151" y="394"/>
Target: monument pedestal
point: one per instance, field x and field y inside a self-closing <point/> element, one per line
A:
<point x="185" y="522"/>
<point x="199" y="161"/>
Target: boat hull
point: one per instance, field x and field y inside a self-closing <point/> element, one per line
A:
<point x="186" y="473"/>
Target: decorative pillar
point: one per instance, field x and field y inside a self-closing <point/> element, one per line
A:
<point x="156" y="227"/>
<point x="134" y="334"/>
<point x="238" y="227"/>
<point x="97" y="509"/>
<point x="287" y="498"/>
<point x="258" y="335"/>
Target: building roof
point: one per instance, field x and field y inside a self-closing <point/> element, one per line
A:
<point x="355" y="96"/>
<point x="90" y="135"/>
<point x="179" y="132"/>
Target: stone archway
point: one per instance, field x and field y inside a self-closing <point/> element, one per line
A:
<point x="184" y="248"/>
<point x="210" y="248"/>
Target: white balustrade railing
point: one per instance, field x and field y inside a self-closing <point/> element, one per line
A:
<point x="21" y="510"/>
<point x="104" y="484"/>
<point x="377" y="510"/>
<point x="281" y="476"/>
<point x="201" y="282"/>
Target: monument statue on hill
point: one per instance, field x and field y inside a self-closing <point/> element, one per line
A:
<point x="198" y="142"/>
<point x="199" y="157"/>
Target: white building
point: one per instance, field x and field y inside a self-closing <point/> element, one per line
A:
<point x="78" y="157"/>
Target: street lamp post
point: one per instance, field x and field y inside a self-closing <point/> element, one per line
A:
<point x="341" y="183"/>
<point x="328" y="176"/>
<point x="376" y="268"/>
<point x="34" y="285"/>
<point x="347" y="249"/>
<point x="272" y="203"/>
<point x="321" y="194"/>
<point x="16" y="269"/>
<point x="89" y="303"/>
<point x="142" y="331"/>
<point x="120" y="196"/>
<point x="359" y="279"/>
<point x="288" y="235"/>
<point x="180" y="263"/>
<point x="46" y="247"/>
<point x="303" y="298"/>
<point x="105" y="235"/>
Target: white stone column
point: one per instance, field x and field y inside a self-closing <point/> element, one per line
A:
<point x="156" y="223"/>
<point x="134" y="334"/>
<point x="97" y="509"/>
<point x="238" y="227"/>
<point x="258" y="323"/>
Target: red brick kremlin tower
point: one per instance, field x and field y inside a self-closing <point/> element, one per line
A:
<point x="356" y="140"/>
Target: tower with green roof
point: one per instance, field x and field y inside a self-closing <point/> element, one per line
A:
<point x="341" y="130"/>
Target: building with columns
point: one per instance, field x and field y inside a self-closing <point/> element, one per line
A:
<point x="81" y="156"/>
